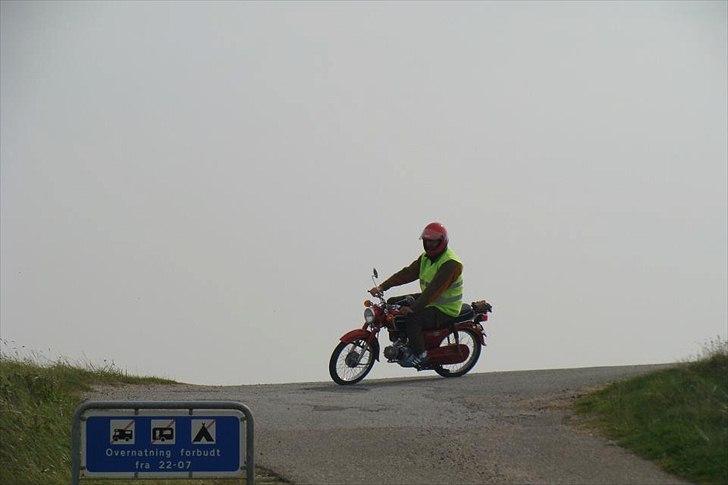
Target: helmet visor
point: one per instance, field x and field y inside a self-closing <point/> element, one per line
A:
<point x="430" y="233"/>
<point x="431" y="244"/>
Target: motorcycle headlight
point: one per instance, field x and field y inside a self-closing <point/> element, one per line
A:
<point x="369" y="315"/>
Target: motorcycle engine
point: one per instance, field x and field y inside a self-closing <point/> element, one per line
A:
<point x="396" y="352"/>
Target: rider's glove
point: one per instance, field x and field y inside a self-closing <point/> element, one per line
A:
<point x="376" y="291"/>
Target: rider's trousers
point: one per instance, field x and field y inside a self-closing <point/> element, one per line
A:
<point x="427" y="319"/>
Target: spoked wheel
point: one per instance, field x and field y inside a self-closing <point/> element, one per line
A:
<point x="351" y="362"/>
<point x="471" y="340"/>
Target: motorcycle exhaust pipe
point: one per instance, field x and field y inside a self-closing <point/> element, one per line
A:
<point x="449" y="354"/>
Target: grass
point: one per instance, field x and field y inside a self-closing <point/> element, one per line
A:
<point x="36" y="409"/>
<point x="676" y="417"/>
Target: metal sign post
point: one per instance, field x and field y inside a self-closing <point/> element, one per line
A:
<point x="162" y="439"/>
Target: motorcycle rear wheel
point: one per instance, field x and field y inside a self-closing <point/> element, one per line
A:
<point x="457" y="370"/>
<point x="346" y="368"/>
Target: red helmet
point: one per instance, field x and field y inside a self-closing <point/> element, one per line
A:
<point x="434" y="231"/>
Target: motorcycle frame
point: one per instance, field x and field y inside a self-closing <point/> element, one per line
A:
<point x="384" y="318"/>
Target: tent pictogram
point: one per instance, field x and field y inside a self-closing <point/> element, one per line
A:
<point x="203" y="431"/>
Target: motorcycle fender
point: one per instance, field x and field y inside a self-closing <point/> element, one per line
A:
<point x="476" y="327"/>
<point x="361" y="334"/>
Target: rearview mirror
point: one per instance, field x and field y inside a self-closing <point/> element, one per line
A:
<point x="375" y="273"/>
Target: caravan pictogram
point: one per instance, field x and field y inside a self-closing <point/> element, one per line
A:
<point x="203" y="431"/>
<point x="163" y="432"/>
<point x="121" y="431"/>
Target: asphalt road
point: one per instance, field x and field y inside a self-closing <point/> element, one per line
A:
<point x="501" y="427"/>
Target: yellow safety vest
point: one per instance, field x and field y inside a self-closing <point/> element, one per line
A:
<point x="451" y="300"/>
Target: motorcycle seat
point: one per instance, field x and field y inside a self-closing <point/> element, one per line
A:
<point x="466" y="313"/>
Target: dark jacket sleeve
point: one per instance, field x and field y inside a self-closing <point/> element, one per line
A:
<point x="445" y="276"/>
<point x="406" y="275"/>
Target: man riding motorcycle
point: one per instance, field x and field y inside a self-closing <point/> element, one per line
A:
<point x="439" y="270"/>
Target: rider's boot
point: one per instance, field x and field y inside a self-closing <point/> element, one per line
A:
<point x="407" y="360"/>
<point x="418" y="361"/>
<point x="422" y="362"/>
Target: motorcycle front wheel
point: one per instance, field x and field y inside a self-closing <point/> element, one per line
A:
<point x="350" y="362"/>
<point x="472" y="341"/>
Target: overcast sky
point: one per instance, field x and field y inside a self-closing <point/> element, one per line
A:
<point x="201" y="190"/>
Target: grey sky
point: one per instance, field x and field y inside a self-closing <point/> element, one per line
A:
<point x="200" y="190"/>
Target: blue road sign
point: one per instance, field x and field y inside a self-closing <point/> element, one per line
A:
<point x="158" y="443"/>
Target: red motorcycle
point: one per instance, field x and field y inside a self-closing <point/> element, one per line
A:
<point x="452" y="351"/>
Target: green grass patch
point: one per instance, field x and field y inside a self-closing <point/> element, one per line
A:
<point x="36" y="409"/>
<point x="676" y="417"/>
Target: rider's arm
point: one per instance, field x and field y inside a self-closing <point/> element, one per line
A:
<point x="445" y="276"/>
<point x="405" y="275"/>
